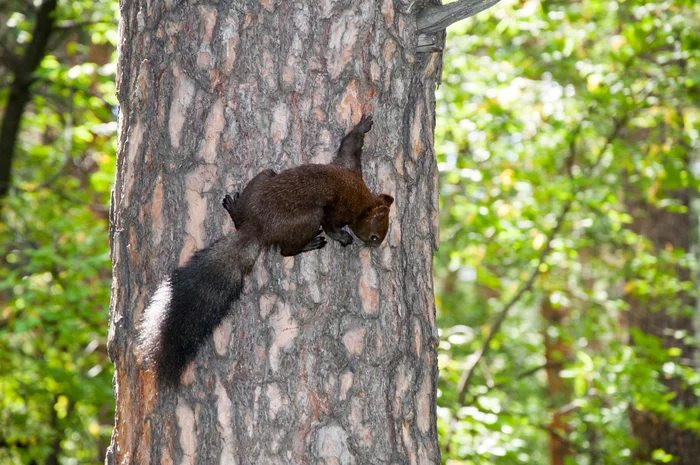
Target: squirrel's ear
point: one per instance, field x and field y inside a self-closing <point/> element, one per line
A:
<point x="386" y="199"/>
<point x="380" y="211"/>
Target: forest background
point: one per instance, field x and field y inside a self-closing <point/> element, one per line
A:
<point x="566" y="280"/>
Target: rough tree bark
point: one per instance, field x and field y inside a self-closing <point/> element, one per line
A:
<point x="328" y="357"/>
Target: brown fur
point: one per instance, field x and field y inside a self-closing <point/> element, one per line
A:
<point x="287" y="209"/>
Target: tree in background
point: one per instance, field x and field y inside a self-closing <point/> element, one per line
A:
<point x="58" y="120"/>
<point x="662" y="298"/>
<point x="567" y="137"/>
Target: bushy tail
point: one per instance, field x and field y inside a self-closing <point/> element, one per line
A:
<point x="189" y="305"/>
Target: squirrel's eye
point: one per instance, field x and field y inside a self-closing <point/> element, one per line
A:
<point x="374" y="237"/>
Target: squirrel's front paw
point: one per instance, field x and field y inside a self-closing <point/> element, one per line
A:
<point x="344" y="238"/>
<point x="316" y="243"/>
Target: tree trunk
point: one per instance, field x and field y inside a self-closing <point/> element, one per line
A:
<point x="329" y="357"/>
<point x="665" y="230"/>
<point x="20" y="94"/>
<point x="558" y="351"/>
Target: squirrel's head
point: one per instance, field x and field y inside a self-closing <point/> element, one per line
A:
<point x="371" y="227"/>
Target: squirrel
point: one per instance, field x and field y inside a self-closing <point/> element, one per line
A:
<point x="290" y="209"/>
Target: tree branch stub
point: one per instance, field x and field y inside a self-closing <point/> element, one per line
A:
<point x="438" y="18"/>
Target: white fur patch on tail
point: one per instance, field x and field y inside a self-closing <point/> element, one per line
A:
<point x="152" y="322"/>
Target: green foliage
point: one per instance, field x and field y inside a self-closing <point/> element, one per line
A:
<point x="544" y="105"/>
<point x="55" y="378"/>
<point x="547" y="104"/>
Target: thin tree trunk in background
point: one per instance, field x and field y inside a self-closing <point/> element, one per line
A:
<point x="558" y="350"/>
<point x="329" y="357"/>
<point x="19" y="90"/>
<point x="665" y="230"/>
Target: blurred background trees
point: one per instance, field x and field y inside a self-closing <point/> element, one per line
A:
<point x="568" y="150"/>
<point x="566" y="280"/>
<point x="58" y="119"/>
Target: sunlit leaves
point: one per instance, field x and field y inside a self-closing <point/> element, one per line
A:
<point x="543" y="103"/>
<point x="55" y="377"/>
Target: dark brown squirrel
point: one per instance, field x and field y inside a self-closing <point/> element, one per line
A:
<point x="291" y="210"/>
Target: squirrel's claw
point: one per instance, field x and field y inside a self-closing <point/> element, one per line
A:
<point x="317" y="242"/>
<point x="365" y="123"/>
<point x="229" y="201"/>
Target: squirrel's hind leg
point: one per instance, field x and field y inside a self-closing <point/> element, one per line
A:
<point x="232" y="204"/>
<point x="229" y="204"/>
<point x="350" y="151"/>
